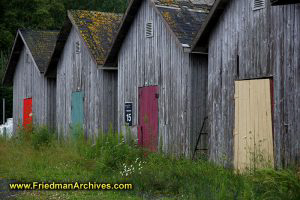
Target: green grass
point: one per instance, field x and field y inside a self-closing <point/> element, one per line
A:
<point x="77" y="195"/>
<point x="38" y="156"/>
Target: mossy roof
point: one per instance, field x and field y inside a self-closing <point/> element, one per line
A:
<point x="191" y="4"/>
<point x="41" y="45"/>
<point x="183" y="17"/>
<point x="97" y="29"/>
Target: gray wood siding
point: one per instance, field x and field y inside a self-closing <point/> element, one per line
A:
<point x="198" y="99"/>
<point x="267" y="42"/>
<point x="28" y="82"/>
<point x="160" y="60"/>
<point x="78" y="72"/>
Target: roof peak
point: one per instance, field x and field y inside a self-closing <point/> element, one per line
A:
<point x="190" y="4"/>
<point x="40" y="44"/>
<point x="96" y="30"/>
<point x="94" y="11"/>
<point x="183" y="22"/>
<point x="37" y="31"/>
<point x="184" y="8"/>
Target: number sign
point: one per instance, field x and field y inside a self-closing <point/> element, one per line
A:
<point x="128" y="113"/>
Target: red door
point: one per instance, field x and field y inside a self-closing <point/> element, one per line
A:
<point x="148" y="117"/>
<point x="27" y="112"/>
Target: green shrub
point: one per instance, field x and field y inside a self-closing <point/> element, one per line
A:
<point x="112" y="154"/>
<point x="41" y="136"/>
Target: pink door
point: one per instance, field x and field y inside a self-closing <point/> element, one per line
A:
<point x="148" y="117"/>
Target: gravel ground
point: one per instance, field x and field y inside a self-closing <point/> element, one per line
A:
<point x="5" y="192"/>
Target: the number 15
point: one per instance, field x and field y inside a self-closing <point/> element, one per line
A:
<point x="128" y="117"/>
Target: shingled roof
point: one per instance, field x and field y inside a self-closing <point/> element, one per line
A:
<point x="184" y="22"/>
<point x="97" y="30"/>
<point x="183" y="17"/>
<point x="41" y="46"/>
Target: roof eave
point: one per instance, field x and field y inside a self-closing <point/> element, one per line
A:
<point x="102" y="67"/>
<point x="128" y="18"/>
<point x="283" y="2"/>
<point x="5" y="81"/>
<point x="12" y="66"/>
<point x="29" y="51"/>
<point x="111" y="59"/>
<point x="200" y="43"/>
<point x="59" y="46"/>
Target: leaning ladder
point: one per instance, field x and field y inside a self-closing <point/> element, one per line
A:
<point x="198" y="139"/>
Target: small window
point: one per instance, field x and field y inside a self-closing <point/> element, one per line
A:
<point x="258" y="4"/>
<point x="77" y="47"/>
<point x="149" y="30"/>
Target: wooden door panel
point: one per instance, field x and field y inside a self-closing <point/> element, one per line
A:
<point x="253" y="134"/>
<point x="148" y="118"/>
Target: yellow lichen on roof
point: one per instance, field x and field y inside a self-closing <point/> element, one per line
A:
<point x="167" y="1"/>
<point x="97" y="30"/>
<point x="167" y="16"/>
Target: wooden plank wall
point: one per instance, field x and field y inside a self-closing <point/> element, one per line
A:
<point x="78" y="72"/>
<point x="198" y="99"/>
<point x="253" y="44"/>
<point x="161" y="61"/>
<point x="28" y="82"/>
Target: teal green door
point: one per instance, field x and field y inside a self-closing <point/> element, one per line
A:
<point x="77" y="113"/>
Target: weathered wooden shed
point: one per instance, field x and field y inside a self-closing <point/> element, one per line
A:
<point x="33" y="94"/>
<point x="162" y="88"/>
<point x="86" y="93"/>
<point x="253" y="81"/>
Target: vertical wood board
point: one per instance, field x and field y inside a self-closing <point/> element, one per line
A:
<point x="253" y="138"/>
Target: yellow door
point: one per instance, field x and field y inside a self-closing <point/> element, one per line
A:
<point x="253" y="138"/>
